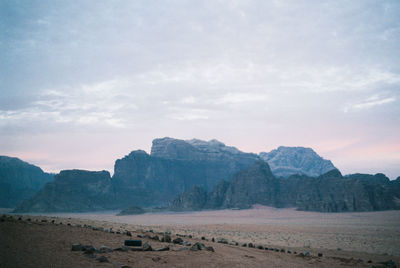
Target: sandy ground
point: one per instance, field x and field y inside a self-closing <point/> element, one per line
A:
<point x="349" y="239"/>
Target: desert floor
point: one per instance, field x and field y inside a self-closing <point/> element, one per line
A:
<point x="344" y="239"/>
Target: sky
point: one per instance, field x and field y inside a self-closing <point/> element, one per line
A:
<point x="83" y="83"/>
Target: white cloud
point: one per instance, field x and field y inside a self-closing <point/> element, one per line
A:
<point x="370" y="102"/>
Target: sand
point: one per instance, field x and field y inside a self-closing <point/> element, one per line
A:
<point x="343" y="238"/>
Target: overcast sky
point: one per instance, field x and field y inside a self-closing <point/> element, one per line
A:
<point x="83" y="83"/>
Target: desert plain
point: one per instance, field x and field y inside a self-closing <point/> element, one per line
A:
<point x="362" y="239"/>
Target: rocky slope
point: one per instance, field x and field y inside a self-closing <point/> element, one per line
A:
<point x="286" y="161"/>
<point x="73" y="191"/>
<point x="19" y="180"/>
<point x="330" y="192"/>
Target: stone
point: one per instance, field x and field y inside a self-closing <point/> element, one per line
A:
<point x="166" y="238"/>
<point x="89" y="249"/>
<point x="260" y="247"/>
<point x="177" y="240"/>
<point x="283" y="250"/>
<point x="307" y="254"/>
<point x="122" y="249"/>
<point x="209" y="248"/>
<point x="147" y="247"/>
<point x="222" y="240"/>
<point x="244" y="244"/>
<point x="128" y="233"/>
<point x="102" y="259"/>
<point x="105" y="249"/>
<point x="133" y="243"/>
<point x="251" y="245"/>
<point x="163" y="249"/>
<point x="197" y="246"/>
<point x="187" y="244"/>
<point x="76" y="247"/>
<point x="320" y="254"/>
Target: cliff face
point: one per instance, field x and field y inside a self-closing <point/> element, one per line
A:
<point x="286" y="161"/>
<point x="175" y="166"/>
<point x="19" y="180"/>
<point x="329" y="192"/>
<point x="73" y="191"/>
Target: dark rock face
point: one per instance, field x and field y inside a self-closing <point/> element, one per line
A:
<point x="19" y="180"/>
<point x="286" y="161"/>
<point x="252" y="185"/>
<point x="195" y="199"/>
<point x="73" y="190"/>
<point x="330" y="192"/>
<point x="175" y="166"/>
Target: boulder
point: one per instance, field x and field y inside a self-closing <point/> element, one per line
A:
<point x="133" y="243"/>
<point x="177" y="240"/>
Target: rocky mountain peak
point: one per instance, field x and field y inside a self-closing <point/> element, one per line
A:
<point x="195" y="149"/>
<point x="285" y="161"/>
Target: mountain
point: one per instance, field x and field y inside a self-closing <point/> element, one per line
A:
<point x="73" y="191"/>
<point x="286" y="161"/>
<point x="19" y="180"/>
<point x="330" y="192"/>
<point x="140" y="179"/>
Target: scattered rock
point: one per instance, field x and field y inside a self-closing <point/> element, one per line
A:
<point x="147" y="247"/>
<point x="88" y="249"/>
<point x="162" y="249"/>
<point x="197" y="246"/>
<point x="105" y="249"/>
<point x="203" y="238"/>
<point x="213" y="239"/>
<point x="251" y="245"/>
<point x="260" y="247"/>
<point x="307" y="254"/>
<point x="222" y="241"/>
<point x="128" y="233"/>
<point x="244" y="245"/>
<point x="76" y="247"/>
<point x="123" y="249"/>
<point x="301" y="254"/>
<point x="187" y="243"/>
<point x="102" y="259"/>
<point x="166" y="238"/>
<point x="178" y="240"/>
<point x="133" y="243"/>
<point x="210" y="249"/>
<point x="320" y="254"/>
<point x="283" y="250"/>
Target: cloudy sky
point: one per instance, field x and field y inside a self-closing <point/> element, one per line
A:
<point x="83" y="83"/>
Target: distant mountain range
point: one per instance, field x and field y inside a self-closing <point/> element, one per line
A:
<point x="19" y="180"/>
<point x="202" y="171"/>
<point x="330" y="192"/>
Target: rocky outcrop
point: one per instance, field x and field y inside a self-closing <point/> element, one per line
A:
<point x="286" y="161"/>
<point x="19" y="180"/>
<point x="132" y="211"/>
<point x="73" y="191"/>
<point x="330" y="192"/>
<point x="195" y="199"/>
<point x="175" y="166"/>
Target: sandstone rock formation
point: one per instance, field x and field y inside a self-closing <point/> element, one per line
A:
<point x="330" y="192"/>
<point x="19" y="180"/>
<point x="286" y="161"/>
<point x="73" y="191"/>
